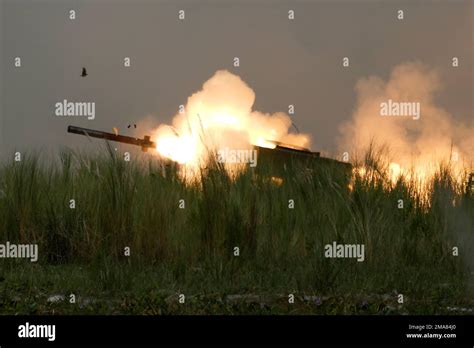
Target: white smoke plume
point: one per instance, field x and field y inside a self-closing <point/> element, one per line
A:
<point x="415" y="145"/>
<point x="220" y="116"/>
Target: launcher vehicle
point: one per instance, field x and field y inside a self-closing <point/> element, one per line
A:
<point x="279" y="158"/>
<point x="284" y="158"/>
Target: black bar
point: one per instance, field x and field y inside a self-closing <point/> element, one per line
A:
<point x="241" y="329"/>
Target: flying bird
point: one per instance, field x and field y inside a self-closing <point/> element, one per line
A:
<point x="84" y="72"/>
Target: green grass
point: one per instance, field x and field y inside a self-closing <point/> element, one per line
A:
<point x="136" y="204"/>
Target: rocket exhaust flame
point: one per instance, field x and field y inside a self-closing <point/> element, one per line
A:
<point x="220" y="116"/>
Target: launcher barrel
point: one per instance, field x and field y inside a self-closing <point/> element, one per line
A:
<point x="144" y="143"/>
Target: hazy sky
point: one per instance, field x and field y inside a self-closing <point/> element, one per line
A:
<point x="285" y="62"/>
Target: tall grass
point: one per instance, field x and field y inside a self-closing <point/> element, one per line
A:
<point x="136" y="204"/>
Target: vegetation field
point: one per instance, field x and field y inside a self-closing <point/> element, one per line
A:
<point x="182" y="237"/>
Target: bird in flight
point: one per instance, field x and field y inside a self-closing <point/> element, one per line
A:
<point x="84" y="72"/>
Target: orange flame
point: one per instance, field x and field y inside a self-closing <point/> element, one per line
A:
<point x="220" y="116"/>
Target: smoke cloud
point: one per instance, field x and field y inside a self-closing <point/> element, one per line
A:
<point x="220" y="116"/>
<point x="414" y="143"/>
